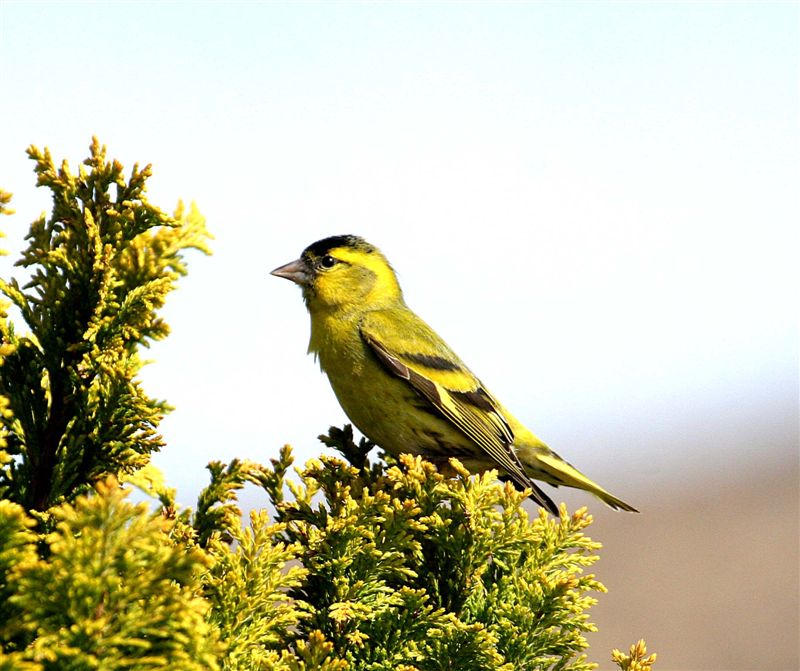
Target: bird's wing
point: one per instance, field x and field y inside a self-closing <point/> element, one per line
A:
<point x="413" y="352"/>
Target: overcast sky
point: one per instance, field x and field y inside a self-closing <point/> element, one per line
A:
<point x="595" y="204"/>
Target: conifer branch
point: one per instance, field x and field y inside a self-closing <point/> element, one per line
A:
<point x="100" y="267"/>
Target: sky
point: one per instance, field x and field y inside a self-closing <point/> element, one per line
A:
<point x="595" y="204"/>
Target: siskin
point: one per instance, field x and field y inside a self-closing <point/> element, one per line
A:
<point x="400" y="383"/>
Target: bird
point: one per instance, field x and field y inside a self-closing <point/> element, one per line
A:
<point x="402" y="386"/>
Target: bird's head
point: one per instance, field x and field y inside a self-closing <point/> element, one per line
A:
<point x="343" y="272"/>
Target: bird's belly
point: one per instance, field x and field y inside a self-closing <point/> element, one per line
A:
<point x="392" y="415"/>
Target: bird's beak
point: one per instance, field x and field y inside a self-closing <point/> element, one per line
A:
<point x="296" y="271"/>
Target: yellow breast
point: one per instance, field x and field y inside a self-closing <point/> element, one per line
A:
<point x="385" y="409"/>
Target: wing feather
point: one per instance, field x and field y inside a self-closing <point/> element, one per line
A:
<point x="473" y="411"/>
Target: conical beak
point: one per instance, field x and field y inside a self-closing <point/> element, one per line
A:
<point x="296" y="271"/>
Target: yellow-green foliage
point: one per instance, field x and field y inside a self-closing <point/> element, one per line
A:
<point x="16" y="661"/>
<point x="16" y="547"/>
<point x="5" y="199"/>
<point x="637" y="660"/>
<point x="100" y="267"/>
<point x="408" y="569"/>
<point x="5" y="348"/>
<point x="366" y="566"/>
<point x="112" y="587"/>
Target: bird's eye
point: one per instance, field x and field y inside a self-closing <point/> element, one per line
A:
<point x="327" y="261"/>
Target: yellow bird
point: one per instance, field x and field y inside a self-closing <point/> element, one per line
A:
<point x="400" y="383"/>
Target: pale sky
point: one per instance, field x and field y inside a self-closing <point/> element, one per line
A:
<point x="596" y="205"/>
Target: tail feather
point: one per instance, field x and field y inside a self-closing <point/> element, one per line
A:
<point x="542" y="499"/>
<point x="544" y="464"/>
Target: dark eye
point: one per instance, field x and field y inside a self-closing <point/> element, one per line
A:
<point x="327" y="261"/>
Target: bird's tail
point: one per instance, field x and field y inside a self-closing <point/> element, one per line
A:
<point x="541" y="463"/>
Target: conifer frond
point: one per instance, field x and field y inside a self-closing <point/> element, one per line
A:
<point x="17" y="547"/>
<point x="217" y="510"/>
<point x="113" y="589"/>
<point x="636" y="660"/>
<point x="15" y="661"/>
<point x="5" y="199"/>
<point x="99" y="267"/>
<point x="408" y="569"/>
<point x="247" y="587"/>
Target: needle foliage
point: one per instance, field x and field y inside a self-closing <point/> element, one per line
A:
<point x="363" y="564"/>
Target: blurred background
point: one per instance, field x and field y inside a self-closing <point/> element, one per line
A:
<point x="595" y="204"/>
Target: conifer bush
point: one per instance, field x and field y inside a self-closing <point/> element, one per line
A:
<point x="366" y="564"/>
